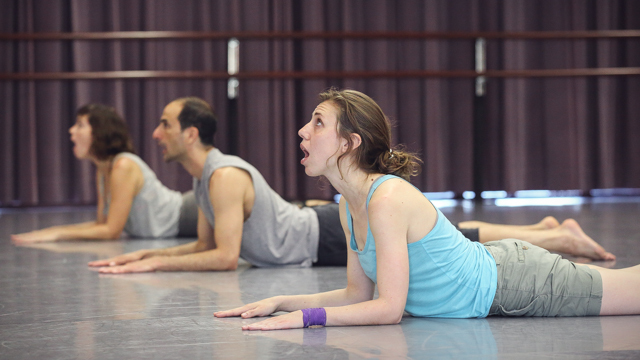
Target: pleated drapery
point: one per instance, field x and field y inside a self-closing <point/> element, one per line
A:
<point x="540" y="133"/>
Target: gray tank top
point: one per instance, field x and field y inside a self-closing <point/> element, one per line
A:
<point x="155" y="212"/>
<point x="277" y="232"/>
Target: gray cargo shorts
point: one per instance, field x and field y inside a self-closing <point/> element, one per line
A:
<point x="534" y="282"/>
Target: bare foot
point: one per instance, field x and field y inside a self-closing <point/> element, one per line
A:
<point x="580" y="244"/>
<point x="549" y="223"/>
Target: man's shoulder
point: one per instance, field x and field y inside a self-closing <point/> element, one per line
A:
<point x="227" y="178"/>
<point x="229" y="172"/>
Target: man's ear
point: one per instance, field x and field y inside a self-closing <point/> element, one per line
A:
<point x="192" y="134"/>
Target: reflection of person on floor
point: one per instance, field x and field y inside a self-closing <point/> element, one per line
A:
<point x="130" y="197"/>
<point x="419" y="261"/>
<point x="446" y="338"/>
<point x="101" y="248"/>
<point x="567" y="335"/>
<point x="251" y="220"/>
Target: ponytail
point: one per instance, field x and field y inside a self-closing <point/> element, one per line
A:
<point x="398" y="162"/>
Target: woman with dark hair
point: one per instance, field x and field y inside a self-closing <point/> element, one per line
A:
<point x="419" y="261"/>
<point x="130" y="197"/>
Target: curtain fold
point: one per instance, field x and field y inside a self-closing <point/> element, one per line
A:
<point x="540" y="133"/>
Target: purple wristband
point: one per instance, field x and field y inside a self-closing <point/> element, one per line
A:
<point x="314" y="316"/>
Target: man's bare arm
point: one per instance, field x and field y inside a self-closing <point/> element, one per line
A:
<point x="216" y="249"/>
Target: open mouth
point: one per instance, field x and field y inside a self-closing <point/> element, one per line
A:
<point x="306" y="154"/>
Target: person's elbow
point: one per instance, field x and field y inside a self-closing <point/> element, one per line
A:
<point x="112" y="233"/>
<point x="392" y="314"/>
<point x="391" y="317"/>
<point x="231" y="265"/>
<point x="229" y="262"/>
<point x="397" y="317"/>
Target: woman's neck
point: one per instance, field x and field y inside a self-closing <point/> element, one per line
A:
<point x="354" y="185"/>
<point x="104" y="166"/>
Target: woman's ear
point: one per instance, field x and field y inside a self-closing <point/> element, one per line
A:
<point x="356" y="140"/>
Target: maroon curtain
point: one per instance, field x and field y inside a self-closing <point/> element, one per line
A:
<point x="540" y="133"/>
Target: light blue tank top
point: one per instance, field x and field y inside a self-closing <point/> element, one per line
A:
<point x="449" y="276"/>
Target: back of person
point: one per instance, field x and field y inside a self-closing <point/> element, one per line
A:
<point x="277" y="232"/>
<point x="450" y="276"/>
<point x="155" y="211"/>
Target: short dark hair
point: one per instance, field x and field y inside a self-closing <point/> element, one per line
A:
<point x="199" y="114"/>
<point x="109" y="132"/>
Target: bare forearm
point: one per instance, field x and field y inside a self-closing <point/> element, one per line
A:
<point x="373" y="312"/>
<point x="210" y="260"/>
<point x="87" y="230"/>
<point x="332" y="298"/>
<point x="347" y="308"/>
<point x="184" y="249"/>
<point x="83" y="225"/>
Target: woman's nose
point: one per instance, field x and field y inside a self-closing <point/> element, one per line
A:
<point x="303" y="132"/>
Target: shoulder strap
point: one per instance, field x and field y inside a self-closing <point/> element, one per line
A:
<point x="377" y="183"/>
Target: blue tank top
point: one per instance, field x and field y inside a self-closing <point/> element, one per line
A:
<point x="449" y="276"/>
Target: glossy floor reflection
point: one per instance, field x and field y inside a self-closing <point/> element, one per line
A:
<point x="52" y="306"/>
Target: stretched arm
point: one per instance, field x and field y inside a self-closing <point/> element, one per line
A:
<point x="353" y="305"/>
<point x="125" y="182"/>
<point x="216" y="249"/>
<point x="49" y="234"/>
<point x="359" y="288"/>
<point x="117" y="261"/>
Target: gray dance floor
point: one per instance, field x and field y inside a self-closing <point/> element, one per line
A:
<point x="52" y="306"/>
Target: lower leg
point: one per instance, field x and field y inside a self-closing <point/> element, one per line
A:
<point x="567" y="238"/>
<point x="620" y="290"/>
<point x="548" y="222"/>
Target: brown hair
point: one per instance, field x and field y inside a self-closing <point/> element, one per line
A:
<point x="359" y="114"/>
<point x="199" y="114"/>
<point x="109" y="133"/>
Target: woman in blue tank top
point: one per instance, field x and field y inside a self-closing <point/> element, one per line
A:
<point x="419" y="261"/>
<point x="130" y="197"/>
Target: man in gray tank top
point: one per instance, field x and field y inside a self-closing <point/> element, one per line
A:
<point x="239" y="215"/>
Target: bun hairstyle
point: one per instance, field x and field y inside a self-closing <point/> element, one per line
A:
<point x="109" y="133"/>
<point x="359" y="114"/>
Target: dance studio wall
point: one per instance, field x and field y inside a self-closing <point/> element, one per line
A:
<point x="542" y="133"/>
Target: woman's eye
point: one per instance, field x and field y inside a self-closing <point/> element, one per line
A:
<point x="318" y="122"/>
